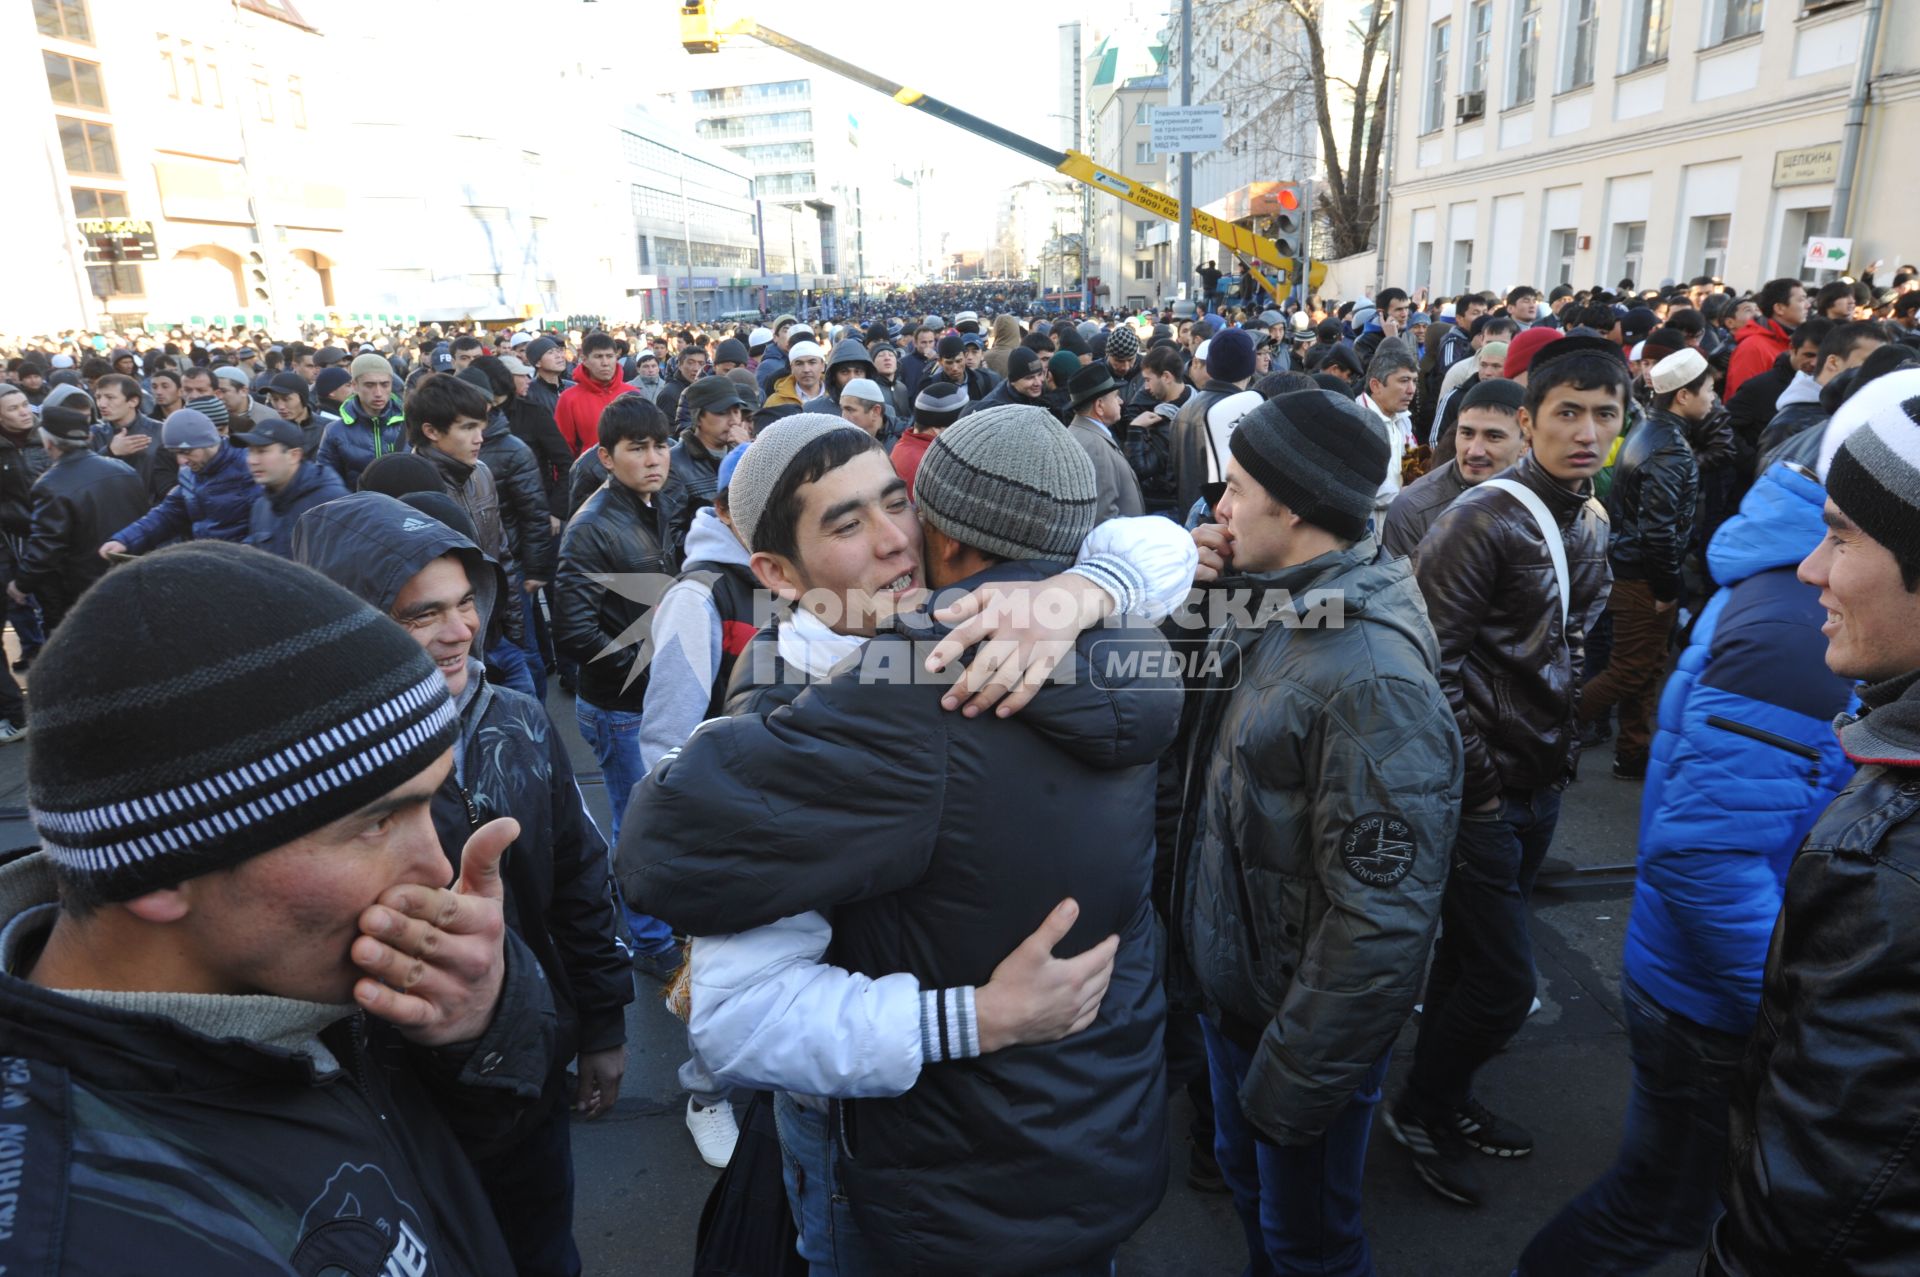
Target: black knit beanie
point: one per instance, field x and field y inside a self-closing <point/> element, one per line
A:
<point x="1318" y="455"/>
<point x="264" y="702"/>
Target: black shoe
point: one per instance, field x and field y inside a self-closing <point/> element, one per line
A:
<point x="1203" y="1172"/>
<point x="661" y="966"/>
<point x="1441" y="1157"/>
<point x="1598" y="732"/>
<point x="1492" y="1134"/>
<point x="1625" y="769"/>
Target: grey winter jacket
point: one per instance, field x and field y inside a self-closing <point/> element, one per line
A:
<point x="1320" y="796"/>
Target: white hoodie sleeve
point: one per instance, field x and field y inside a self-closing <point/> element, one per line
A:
<point x="765" y="1012"/>
<point x="686" y="646"/>
<point x="1146" y="563"/>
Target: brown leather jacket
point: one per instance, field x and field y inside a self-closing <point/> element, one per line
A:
<point x="1508" y="667"/>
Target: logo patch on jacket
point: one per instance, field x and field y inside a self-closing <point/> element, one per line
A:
<point x="1378" y="849"/>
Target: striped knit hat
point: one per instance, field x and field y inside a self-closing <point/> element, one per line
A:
<point x="1011" y="481"/>
<point x="1317" y="454"/>
<point x="1875" y="476"/>
<point x="265" y="702"/>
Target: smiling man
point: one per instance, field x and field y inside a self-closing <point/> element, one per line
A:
<point x="1822" y="1115"/>
<point x="1514" y="573"/>
<point x="1488" y="439"/>
<point x="240" y="941"/>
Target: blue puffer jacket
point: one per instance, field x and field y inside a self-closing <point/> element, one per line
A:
<point x="1744" y="761"/>
<point x="213" y="505"/>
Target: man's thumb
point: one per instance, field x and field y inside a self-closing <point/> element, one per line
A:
<point x="1054" y="927"/>
<point x="480" y="858"/>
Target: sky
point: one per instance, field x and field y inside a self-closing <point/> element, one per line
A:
<point x="998" y="59"/>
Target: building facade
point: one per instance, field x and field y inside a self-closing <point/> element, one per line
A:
<point x="1581" y="142"/>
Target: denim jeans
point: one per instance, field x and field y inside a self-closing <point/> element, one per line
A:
<point x="1299" y="1204"/>
<point x="1661" y="1194"/>
<point x="511" y="661"/>
<point x="530" y="1186"/>
<point x="1481" y="984"/>
<point x="614" y="737"/>
<point x="25" y="619"/>
<point x="830" y="1241"/>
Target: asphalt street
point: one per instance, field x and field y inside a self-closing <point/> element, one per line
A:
<point x="641" y="1184"/>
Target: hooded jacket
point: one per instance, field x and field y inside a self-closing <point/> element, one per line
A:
<point x="1319" y="798"/>
<point x="704" y="622"/>
<point x="509" y="762"/>
<point x="213" y="505"/>
<point x="1744" y="761"/>
<point x="1755" y="347"/>
<point x="358" y="439"/>
<point x="1797" y="409"/>
<point x="1002" y="337"/>
<point x="76" y="503"/>
<point x="1651" y="504"/>
<point x="183" y="1133"/>
<point x="577" y="413"/>
<point x="1821" y="1176"/>
<point x="1510" y="667"/>
<point x="939" y="843"/>
<point x="275" y="513"/>
<point x="615" y="534"/>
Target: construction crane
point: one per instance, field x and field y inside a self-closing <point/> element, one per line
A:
<point x="702" y="32"/>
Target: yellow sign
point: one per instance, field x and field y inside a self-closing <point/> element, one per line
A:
<point x="1806" y="165"/>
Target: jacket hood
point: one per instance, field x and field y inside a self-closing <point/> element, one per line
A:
<point x="1802" y="389"/>
<point x="1100" y="717"/>
<point x="1778" y="525"/>
<point x="373" y="545"/>
<point x="582" y="377"/>
<point x="497" y="426"/>
<point x="850" y="351"/>
<point x="1005" y="332"/>
<point x="711" y="541"/>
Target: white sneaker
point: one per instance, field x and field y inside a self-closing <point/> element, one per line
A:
<point x="9" y="733"/>
<point x="714" y="1132"/>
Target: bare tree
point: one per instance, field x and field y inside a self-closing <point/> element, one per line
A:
<point x="1299" y="61"/>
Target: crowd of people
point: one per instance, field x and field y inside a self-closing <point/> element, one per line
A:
<point x="1007" y="720"/>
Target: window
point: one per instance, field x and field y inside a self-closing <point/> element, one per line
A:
<point x="115" y="281"/>
<point x="1479" y="41"/>
<point x="1565" y="244"/>
<point x="296" y="102"/>
<point x="1738" y="18"/>
<point x="1143" y="268"/>
<point x="88" y="147"/>
<point x="91" y="203"/>
<point x="208" y="81"/>
<point x="1582" y="24"/>
<point x="1651" y="23"/>
<point x="1141" y="225"/>
<point x="262" y="95"/>
<point x="63" y="20"/>
<point x="1141" y="112"/>
<point x="1462" y="266"/>
<point x="1713" y="257"/>
<point x="75" y="83"/>
<point x="1143" y="152"/>
<point x="1526" y="49"/>
<point x="1801" y="225"/>
<point x="1422" y="264"/>
<point x="1439" y="41"/>
<point x="1629" y="249"/>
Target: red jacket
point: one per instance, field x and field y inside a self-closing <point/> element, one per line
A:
<point x="908" y="452"/>
<point x="578" y="411"/>
<point x="1754" y="350"/>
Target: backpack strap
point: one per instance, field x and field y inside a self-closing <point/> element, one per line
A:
<point x="1549" y="530"/>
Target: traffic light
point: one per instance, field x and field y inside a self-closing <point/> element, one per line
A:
<point x="1292" y="209"/>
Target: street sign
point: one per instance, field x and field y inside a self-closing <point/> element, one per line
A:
<point x="1828" y="252"/>
<point x="117" y="239"/>
<point x="1187" y="128"/>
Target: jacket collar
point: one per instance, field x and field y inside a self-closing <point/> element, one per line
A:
<point x="1565" y="502"/>
<point x="1887" y="729"/>
<point x="458" y="471"/>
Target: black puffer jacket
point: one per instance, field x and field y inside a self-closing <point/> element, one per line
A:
<point x="23" y="459"/>
<point x="1821" y="1172"/>
<point x="1651" y="504"/>
<point x="1321" y="792"/>
<point x="1190" y="444"/>
<point x="510" y="762"/>
<point x="80" y="502"/>
<point x="146" y="1146"/>
<point x="615" y="533"/>
<point x="939" y="843"/>
<point x="532" y="424"/>
<point x="1510" y="668"/>
<point x="522" y="492"/>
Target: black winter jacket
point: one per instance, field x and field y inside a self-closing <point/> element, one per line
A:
<point x="524" y="510"/>
<point x="148" y="1146"/>
<point x="1821" y="1175"/>
<point x="510" y="762"/>
<point x="939" y="843"/>
<point x="78" y="504"/>
<point x="532" y="424"/>
<point x="1190" y="444"/>
<point x="1320" y="797"/>
<point x="1651" y="504"/>
<point x="156" y="467"/>
<point x="604" y="628"/>
<point x="23" y="459"/>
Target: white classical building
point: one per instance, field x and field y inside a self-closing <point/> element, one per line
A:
<point x="1589" y="141"/>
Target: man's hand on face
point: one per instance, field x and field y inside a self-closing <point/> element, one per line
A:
<point x="1025" y="630"/>
<point x="1215" y="545"/>
<point x="434" y="956"/>
<point x="1035" y="997"/>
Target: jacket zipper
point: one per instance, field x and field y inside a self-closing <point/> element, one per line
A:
<point x="1774" y="739"/>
